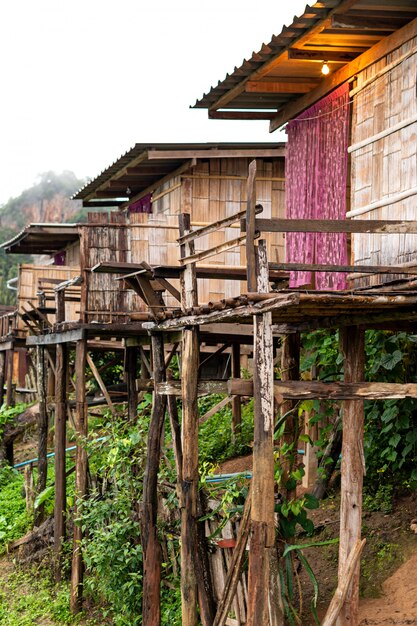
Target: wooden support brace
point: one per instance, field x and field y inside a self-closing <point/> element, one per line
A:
<point x="59" y="446"/>
<point x="101" y="384"/>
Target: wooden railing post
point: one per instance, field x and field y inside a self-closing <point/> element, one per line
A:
<point x="42" y="428"/>
<point x="353" y="468"/>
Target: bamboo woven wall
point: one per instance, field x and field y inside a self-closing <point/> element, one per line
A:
<point x="387" y="166"/>
<point x="215" y="189"/>
<point x="104" y="299"/>
<point x="33" y="278"/>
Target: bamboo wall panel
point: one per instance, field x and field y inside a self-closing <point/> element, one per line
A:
<point x="102" y="295"/>
<point x="387" y="166"/>
<point x="214" y="194"/>
<point x="72" y="254"/>
<point x="34" y="278"/>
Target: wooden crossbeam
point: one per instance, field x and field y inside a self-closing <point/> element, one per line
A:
<point x="206" y="254"/>
<point x="278" y="225"/>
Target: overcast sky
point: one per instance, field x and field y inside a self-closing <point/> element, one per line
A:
<point x="84" y="80"/>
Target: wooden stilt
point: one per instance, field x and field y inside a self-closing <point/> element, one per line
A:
<point x="236" y="404"/>
<point x="42" y="430"/>
<point x="290" y="370"/>
<point x="189" y="477"/>
<point x="262" y="513"/>
<point x="151" y="608"/>
<point x="59" y="445"/>
<point x="353" y="467"/>
<point x="9" y="383"/>
<point x="189" y="487"/>
<point x="2" y="375"/>
<point x="132" y="395"/>
<point x="80" y="473"/>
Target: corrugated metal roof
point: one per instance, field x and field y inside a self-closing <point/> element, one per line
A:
<point x="136" y="171"/>
<point x="289" y="66"/>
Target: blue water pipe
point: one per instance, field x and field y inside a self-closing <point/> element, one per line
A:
<point x="50" y="455"/>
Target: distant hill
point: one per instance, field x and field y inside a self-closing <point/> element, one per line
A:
<point x="46" y="201"/>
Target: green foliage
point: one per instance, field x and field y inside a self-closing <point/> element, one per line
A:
<point x="8" y="413"/>
<point x="215" y="441"/>
<point x="14" y="520"/>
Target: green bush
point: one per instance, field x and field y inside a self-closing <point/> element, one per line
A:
<point x="14" y="520"/>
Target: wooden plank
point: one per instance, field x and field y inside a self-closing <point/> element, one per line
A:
<point x="262" y="522"/>
<point x="359" y="22"/>
<point x="381" y="49"/>
<point x="353" y="469"/>
<point x="236" y="402"/>
<point x="280" y="225"/>
<point x="315" y="389"/>
<point x="241" y="115"/>
<point x="206" y="254"/>
<point x="214" y="153"/>
<point x="81" y="425"/>
<point x="206" y="230"/>
<point x="68" y="336"/>
<point x="290" y="371"/>
<point x="173" y="387"/>
<point x="353" y="269"/>
<point x="250" y="230"/>
<point x="336" y="56"/>
<point x="188" y="279"/>
<point x="2" y="375"/>
<point x="151" y="604"/>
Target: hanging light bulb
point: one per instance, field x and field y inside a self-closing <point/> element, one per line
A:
<point x="325" y="69"/>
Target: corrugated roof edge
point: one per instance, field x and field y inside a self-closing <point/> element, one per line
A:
<point x="25" y="231"/>
<point x="138" y="148"/>
<point x="267" y="52"/>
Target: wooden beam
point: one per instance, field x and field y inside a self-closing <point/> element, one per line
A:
<point x="250" y="229"/>
<point x="173" y="387"/>
<point x="151" y="604"/>
<point x="282" y="55"/>
<point x="81" y="425"/>
<point x="2" y="375"/>
<point x="236" y="402"/>
<point x="335" y="56"/>
<point x="346" y="72"/>
<point x="184" y="167"/>
<point x="68" y="336"/>
<point x="242" y="115"/>
<point x="121" y="172"/>
<point x="206" y="254"/>
<point x="290" y="372"/>
<point x="360" y="269"/>
<point x="353" y="469"/>
<point x="215" y="409"/>
<point x="101" y="384"/>
<point x="278" y="225"/>
<point x="358" y="22"/>
<point x="316" y="389"/>
<point x="210" y="228"/>
<point x="258" y="86"/>
<point x="214" y="153"/>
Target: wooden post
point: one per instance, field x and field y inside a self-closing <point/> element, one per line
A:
<point x="189" y="377"/>
<point x="250" y="228"/>
<point x="59" y="445"/>
<point x="2" y="373"/>
<point x="353" y="468"/>
<point x="131" y="358"/>
<point x="189" y="486"/>
<point x="9" y="389"/>
<point x="80" y="473"/>
<point x="262" y="540"/>
<point x="42" y="430"/>
<point x="151" y="606"/>
<point x="236" y="404"/>
<point x="290" y="370"/>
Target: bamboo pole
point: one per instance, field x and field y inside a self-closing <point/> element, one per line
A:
<point x="290" y="371"/>
<point x="236" y="402"/>
<point x="353" y="467"/>
<point x="80" y="473"/>
<point x="131" y="358"/>
<point x="151" y="604"/>
<point x="9" y="374"/>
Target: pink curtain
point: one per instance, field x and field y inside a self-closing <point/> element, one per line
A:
<point x="316" y="174"/>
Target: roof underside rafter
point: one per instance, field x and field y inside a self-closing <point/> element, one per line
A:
<point x="289" y="67"/>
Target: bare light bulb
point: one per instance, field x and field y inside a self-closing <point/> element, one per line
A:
<point x="325" y="69"/>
